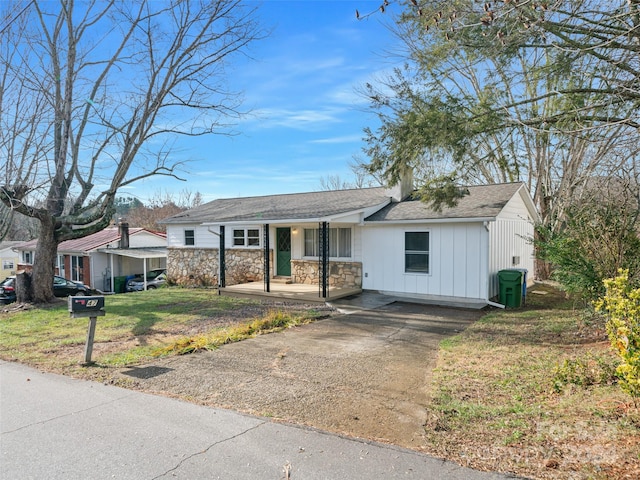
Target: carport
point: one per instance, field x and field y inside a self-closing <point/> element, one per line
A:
<point x="143" y="254"/>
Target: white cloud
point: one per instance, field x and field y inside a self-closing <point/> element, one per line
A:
<point x="338" y="140"/>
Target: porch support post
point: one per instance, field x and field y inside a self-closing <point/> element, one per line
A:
<point x="221" y="261"/>
<point x="324" y="257"/>
<point x="267" y="263"/>
<point x="113" y="288"/>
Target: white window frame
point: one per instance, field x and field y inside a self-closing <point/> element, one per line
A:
<point x="191" y="237"/>
<point x="60" y="265"/>
<point x="27" y="257"/>
<point x="334" y="234"/>
<point x="425" y="253"/>
<point x="246" y="237"/>
<point x="8" y="264"/>
<point x="77" y="273"/>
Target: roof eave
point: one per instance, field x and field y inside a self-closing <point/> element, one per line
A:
<point x="529" y="202"/>
<point x="431" y="220"/>
<point x="287" y="221"/>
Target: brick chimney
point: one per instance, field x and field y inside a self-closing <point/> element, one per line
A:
<point x="124" y="234"/>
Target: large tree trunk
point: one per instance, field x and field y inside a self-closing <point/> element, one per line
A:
<point x="23" y="287"/>
<point x="44" y="262"/>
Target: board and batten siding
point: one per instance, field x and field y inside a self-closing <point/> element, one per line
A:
<point x="458" y="261"/>
<point x="510" y="242"/>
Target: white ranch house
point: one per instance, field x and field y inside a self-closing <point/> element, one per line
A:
<point x="362" y="239"/>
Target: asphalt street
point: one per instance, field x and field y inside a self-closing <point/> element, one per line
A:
<point x="56" y="427"/>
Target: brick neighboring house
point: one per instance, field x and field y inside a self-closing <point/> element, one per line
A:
<point x="98" y="260"/>
<point x="375" y="239"/>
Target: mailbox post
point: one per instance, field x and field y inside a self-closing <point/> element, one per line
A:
<point x="87" y="307"/>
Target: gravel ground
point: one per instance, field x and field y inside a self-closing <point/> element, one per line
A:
<point x="365" y="374"/>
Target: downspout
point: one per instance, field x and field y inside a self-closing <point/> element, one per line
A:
<point x="494" y="304"/>
<point x="113" y="286"/>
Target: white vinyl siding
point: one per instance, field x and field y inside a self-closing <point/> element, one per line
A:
<point x="189" y="237"/>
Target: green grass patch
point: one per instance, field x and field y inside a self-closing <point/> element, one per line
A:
<point x="274" y="321"/>
<point x="137" y="327"/>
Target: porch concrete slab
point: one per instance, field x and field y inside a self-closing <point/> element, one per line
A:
<point x="289" y="291"/>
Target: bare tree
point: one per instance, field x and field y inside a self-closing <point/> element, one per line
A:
<point x="362" y="178"/>
<point x="161" y="206"/>
<point x="92" y="95"/>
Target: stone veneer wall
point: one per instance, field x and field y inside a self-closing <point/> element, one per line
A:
<point x="341" y="274"/>
<point x="244" y="265"/>
<point x="199" y="266"/>
<point x="193" y="266"/>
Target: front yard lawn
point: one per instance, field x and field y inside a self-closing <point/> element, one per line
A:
<point x="137" y="327"/>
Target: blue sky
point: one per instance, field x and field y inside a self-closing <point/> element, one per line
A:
<point x="307" y="119"/>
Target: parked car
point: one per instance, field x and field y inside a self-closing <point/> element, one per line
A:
<point x="61" y="288"/>
<point x="8" y="290"/>
<point x="155" y="279"/>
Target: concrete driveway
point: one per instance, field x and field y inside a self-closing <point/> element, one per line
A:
<point x="365" y="374"/>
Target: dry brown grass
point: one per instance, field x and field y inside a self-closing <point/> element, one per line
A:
<point x="530" y="392"/>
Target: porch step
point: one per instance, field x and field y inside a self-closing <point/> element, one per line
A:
<point x="284" y="280"/>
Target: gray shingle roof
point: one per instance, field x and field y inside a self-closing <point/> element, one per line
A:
<point x="297" y="206"/>
<point x="483" y="201"/>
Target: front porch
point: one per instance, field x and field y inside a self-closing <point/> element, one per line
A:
<point x="297" y="292"/>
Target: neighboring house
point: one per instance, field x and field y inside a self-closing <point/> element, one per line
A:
<point x="372" y="239"/>
<point x="104" y="259"/>
<point x="9" y="259"/>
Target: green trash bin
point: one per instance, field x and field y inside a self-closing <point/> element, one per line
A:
<point x="510" y="282"/>
<point x="119" y="284"/>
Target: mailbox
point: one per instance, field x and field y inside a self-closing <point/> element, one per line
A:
<point x="91" y="307"/>
<point x="87" y="306"/>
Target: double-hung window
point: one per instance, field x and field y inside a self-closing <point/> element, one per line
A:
<point x="189" y="237"/>
<point x="416" y="252"/>
<point x="249" y="237"/>
<point x="339" y="242"/>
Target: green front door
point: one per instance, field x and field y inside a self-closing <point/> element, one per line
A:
<point x="283" y="252"/>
